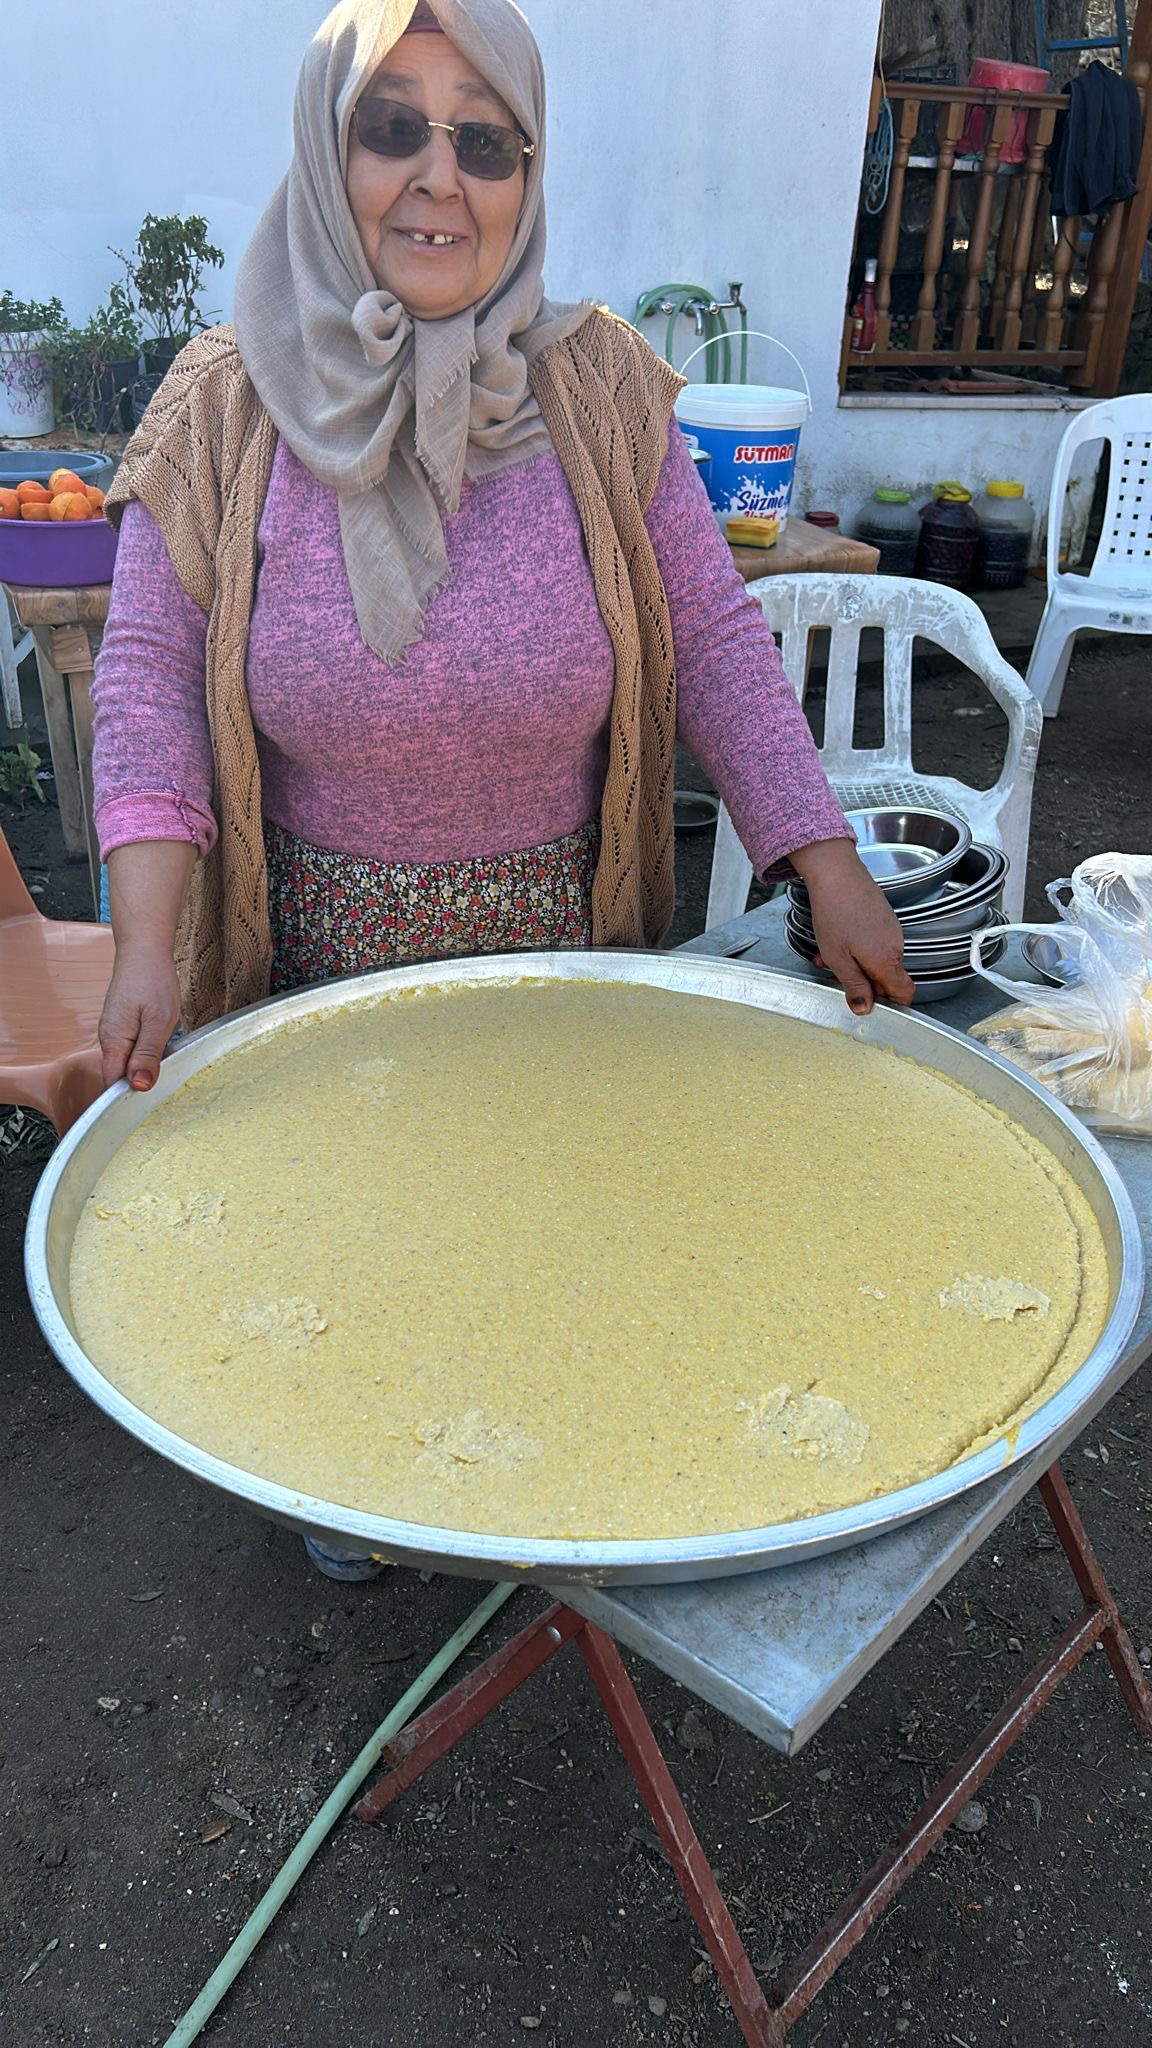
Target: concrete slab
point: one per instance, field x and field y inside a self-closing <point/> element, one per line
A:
<point x="1014" y="617"/>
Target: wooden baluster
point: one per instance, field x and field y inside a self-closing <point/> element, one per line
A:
<point x="907" y="123"/>
<point x="969" y="324"/>
<point x="1050" y="330"/>
<point x="1005" y="243"/>
<point x="846" y="349"/>
<point x="1038" y="259"/>
<point x="1041" y="123"/>
<point x="1088" y="330"/>
<point x="949" y="130"/>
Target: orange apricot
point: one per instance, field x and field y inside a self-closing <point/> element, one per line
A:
<point x="70" y="505"/>
<point x="31" y="493"/>
<point x="62" y="480"/>
<point x="9" y="505"/>
<point x="36" y="508"/>
<point x="95" y="497"/>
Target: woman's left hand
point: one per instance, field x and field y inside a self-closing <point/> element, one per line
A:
<point x="858" y="932"/>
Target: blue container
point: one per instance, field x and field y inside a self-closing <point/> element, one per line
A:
<point x="39" y="463"/>
<point x="700" y="457"/>
<point x="752" y="433"/>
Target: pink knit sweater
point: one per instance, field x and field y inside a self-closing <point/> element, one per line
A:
<point x="491" y="735"/>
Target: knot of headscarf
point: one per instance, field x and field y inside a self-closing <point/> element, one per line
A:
<point x="393" y="412"/>
<point x="383" y="327"/>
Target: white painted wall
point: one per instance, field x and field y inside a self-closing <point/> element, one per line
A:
<point x="187" y="107"/>
<point x="691" y="142"/>
<point x="672" y="153"/>
<point x="914" y="446"/>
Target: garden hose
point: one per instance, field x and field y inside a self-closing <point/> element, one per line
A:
<point x="260" y="1919"/>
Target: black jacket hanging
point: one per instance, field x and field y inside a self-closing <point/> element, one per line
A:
<point x="1096" y="152"/>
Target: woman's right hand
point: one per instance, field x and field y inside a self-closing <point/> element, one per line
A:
<point x="147" y="882"/>
<point x="141" y="1011"/>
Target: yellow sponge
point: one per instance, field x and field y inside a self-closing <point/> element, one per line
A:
<point x="753" y="533"/>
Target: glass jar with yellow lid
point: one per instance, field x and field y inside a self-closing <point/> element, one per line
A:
<point x="1007" y="521"/>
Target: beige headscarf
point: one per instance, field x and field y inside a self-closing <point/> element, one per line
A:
<point x="391" y="411"/>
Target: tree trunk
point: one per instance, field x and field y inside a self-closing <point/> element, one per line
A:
<point x="961" y="30"/>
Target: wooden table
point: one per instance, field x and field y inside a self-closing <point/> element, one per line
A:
<point x="66" y="627"/>
<point x="803" y="550"/>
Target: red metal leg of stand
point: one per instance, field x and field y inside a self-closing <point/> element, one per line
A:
<point x="794" y="1991"/>
<point x="691" y="1866"/>
<point x="1099" y="1622"/>
<point x="436" y="1731"/>
<point x="762" y="2024"/>
<point x="1096" y="1590"/>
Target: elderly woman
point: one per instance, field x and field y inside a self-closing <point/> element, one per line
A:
<point x="416" y="585"/>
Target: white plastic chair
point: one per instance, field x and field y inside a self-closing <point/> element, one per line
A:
<point x="904" y="610"/>
<point x="1116" y="594"/>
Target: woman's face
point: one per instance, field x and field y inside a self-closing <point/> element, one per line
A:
<point x="399" y="203"/>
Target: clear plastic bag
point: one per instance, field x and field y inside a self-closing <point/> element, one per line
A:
<point x="1090" y="1041"/>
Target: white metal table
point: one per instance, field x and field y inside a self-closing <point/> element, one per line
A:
<point x="780" y="1650"/>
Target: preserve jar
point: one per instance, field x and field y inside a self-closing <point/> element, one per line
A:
<point x="1006" y="524"/>
<point x="889" y="524"/>
<point x="949" y="537"/>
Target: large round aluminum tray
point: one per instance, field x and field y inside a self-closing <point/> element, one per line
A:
<point x="83" y="1154"/>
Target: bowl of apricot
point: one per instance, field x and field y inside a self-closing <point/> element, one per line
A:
<point x="55" y="531"/>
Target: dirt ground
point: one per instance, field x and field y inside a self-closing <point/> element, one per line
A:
<point x="181" y="1691"/>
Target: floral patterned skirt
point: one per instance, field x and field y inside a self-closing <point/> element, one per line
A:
<point x="334" y="913"/>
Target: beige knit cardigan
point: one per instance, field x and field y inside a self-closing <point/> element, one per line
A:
<point x="201" y="462"/>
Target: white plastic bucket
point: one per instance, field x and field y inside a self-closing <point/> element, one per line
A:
<point x="26" y="407"/>
<point x="752" y="433"/>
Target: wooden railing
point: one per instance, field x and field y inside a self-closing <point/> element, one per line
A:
<point x="1001" y="287"/>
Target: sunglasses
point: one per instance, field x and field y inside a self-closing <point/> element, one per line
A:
<point x="483" y="150"/>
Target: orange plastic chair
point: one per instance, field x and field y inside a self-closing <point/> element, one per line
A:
<point x="53" y="977"/>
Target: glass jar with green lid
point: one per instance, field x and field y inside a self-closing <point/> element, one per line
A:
<point x="1007" y="521"/>
<point x="889" y="524"/>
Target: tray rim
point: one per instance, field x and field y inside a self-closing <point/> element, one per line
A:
<point x="554" y="1560"/>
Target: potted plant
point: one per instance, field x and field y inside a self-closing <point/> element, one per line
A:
<point x="27" y="330"/>
<point x="165" y="275"/>
<point x="96" y="366"/>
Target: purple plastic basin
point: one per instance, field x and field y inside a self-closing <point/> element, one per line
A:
<point x="56" y="553"/>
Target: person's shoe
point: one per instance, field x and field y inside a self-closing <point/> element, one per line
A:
<point x="351" y="1566"/>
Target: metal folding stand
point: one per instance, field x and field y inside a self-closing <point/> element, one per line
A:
<point x="764" y="2019"/>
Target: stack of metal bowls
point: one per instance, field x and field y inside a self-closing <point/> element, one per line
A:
<point x="941" y="885"/>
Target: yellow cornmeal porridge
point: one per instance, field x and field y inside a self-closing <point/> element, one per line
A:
<point x="583" y="1260"/>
